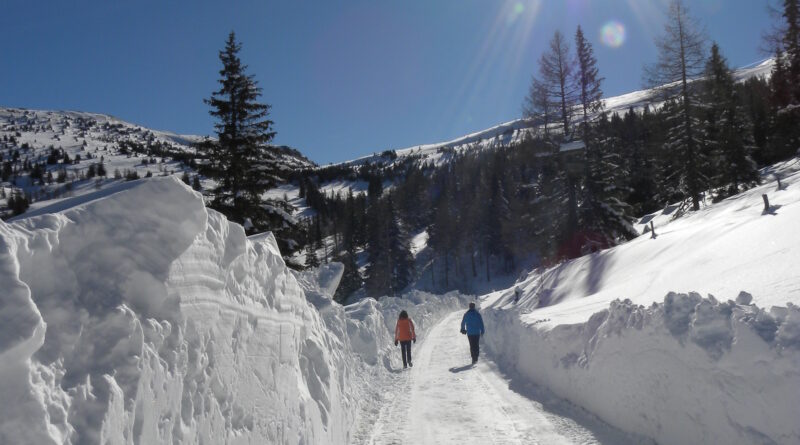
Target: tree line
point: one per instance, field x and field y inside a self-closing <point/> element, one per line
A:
<point x="539" y="202"/>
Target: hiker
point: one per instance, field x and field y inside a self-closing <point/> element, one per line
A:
<point x="404" y="334"/>
<point x="472" y="326"/>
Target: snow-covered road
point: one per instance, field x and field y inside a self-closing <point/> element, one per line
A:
<point x="444" y="400"/>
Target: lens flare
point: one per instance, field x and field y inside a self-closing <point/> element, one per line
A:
<point x="612" y="34"/>
<point x="515" y="12"/>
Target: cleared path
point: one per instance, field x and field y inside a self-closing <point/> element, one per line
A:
<point x="445" y="400"/>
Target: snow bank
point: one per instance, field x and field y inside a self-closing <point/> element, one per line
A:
<point x="686" y="370"/>
<point x="142" y="317"/>
<point x="680" y="369"/>
<point x="139" y="316"/>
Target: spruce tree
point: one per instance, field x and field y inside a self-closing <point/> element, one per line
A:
<point x="312" y="260"/>
<point x="377" y="280"/>
<point x="728" y="133"/>
<point x="638" y="144"/>
<point x="785" y="84"/>
<point x="604" y="215"/>
<point x="590" y="93"/>
<point x="552" y="214"/>
<point x="791" y="45"/>
<point x="681" y="58"/>
<point x="351" y="278"/>
<point x="240" y="160"/>
<point x="442" y="233"/>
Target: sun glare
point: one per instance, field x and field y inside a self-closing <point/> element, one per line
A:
<point x="505" y="43"/>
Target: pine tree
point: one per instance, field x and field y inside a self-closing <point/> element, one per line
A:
<point x="239" y="160"/>
<point x="728" y="134"/>
<point x="681" y="58"/>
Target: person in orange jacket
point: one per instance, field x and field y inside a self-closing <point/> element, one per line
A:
<point x="404" y="334"/>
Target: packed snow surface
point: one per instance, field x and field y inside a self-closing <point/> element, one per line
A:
<point x="444" y="399"/>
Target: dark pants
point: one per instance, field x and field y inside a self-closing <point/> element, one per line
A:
<point x="474" y="346"/>
<point x="405" y="349"/>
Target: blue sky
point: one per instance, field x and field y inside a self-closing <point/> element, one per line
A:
<point x="344" y="78"/>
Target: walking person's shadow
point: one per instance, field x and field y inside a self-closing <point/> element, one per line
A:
<point x="455" y="370"/>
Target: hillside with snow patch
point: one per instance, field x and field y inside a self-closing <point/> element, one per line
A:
<point x="71" y="145"/>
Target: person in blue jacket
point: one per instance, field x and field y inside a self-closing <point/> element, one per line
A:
<point x="472" y="326"/>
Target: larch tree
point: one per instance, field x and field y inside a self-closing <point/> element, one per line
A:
<point x="537" y="106"/>
<point x="556" y="73"/>
<point x="682" y="59"/>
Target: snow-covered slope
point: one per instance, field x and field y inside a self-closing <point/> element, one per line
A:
<point x="142" y="317"/>
<point x="516" y="130"/>
<point x="689" y="337"/>
<point x="89" y="139"/>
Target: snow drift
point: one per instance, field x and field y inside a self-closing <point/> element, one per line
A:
<point x="143" y="317"/>
<point x="687" y="370"/>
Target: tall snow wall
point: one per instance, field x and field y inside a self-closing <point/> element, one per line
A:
<point x="688" y="370"/>
<point x="143" y="317"/>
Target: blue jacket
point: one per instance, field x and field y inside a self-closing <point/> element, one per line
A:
<point x="472" y="322"/>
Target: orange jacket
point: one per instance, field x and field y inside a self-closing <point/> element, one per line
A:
<point x="404" y="331"/>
